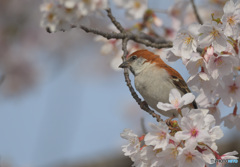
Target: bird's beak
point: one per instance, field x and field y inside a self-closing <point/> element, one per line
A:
<point x="125" y="64"/>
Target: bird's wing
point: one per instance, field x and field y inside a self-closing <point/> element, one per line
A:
<point x="180" y="84"/>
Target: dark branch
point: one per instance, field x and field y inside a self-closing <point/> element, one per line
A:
<point x="196" y="12"/>
<point x="108" y="35"/>
<point x="114" y="21"/>
<point x="130" y="36"/>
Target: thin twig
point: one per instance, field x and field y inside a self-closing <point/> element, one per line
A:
<point x="114" y="21"/>
<point x="129" y="35"/>
<point x="196" y="12"/>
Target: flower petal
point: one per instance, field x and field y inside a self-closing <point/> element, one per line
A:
<point x="188" y="98"/>
<point x="165" y="106"/>
<point x="174" y="94"/>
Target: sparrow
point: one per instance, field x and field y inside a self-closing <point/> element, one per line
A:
<point x="154" y="79"/>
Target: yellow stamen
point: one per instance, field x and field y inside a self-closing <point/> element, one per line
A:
<point x="137" y="5"/>
<point x="50" y="17"/>
<point x="158" y="151"/>
<point x="188" y="40"/>
<point x="194" y="132"/>
<point x="215" y="33"/>
<point x="231" y="20"/>
<point x="218" y="61"/>
<point x="161" y="135"/>
<point x="174" y="152"/>
<point x="189" y="157"/>
<point x="199" y="62"/>
<point x="175" y="102"/>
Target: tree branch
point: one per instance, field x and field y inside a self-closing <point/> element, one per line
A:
<point x="130" y="36"/>
<point x="196" y="12"/>
<point x="114" y="21"/>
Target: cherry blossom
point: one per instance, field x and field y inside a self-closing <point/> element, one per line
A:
<point x="145" y="157"/>
<point x="226" y="156"/>
<point x="168" y="157"/>
<point x="202" y="81"/>
<point x="134" y="9"/>
<point x="84" y="7"/>
<point x="194" y="63"/>
<point x="193" y="129"/>
<point x="178" y="12"/>
<point x="221" y="65"/>
<point x="232" y="120"/>
<point x="158" y="137"/>
<point x="176" y="100"/>
<point x="230" y="91"/>
<point x="212" y="34"/>
<point x="231" y="19"/>
<point x="189" y="157"/>
<point x="134" y="145"/>
<point x="186" y="40"/>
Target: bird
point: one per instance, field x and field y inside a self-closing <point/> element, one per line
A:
<point x="154" y="79"/>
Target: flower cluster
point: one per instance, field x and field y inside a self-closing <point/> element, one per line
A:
<point x="210" y="52"/>
<point x="134" y="9"/>
<point x="191" y="143"/>
<point x="63" y="14"/>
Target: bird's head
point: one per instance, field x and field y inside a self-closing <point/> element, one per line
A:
<point x="140" y="60"/>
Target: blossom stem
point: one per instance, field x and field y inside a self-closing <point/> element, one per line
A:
<point x="214" y="152"/>
<point x="180" y="112"/>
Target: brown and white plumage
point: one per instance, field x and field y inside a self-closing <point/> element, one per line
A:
<point x="154" y="79"/>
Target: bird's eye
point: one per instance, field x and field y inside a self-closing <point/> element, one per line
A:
<point x="133" y="57"/>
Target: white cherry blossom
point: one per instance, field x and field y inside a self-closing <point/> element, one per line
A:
<point x="232" y="120"/>
<point x="221" y="65"/>
<point x="212" y="34"/>
<point x="230" y="91"/>
<point x="189" y="157"/>
<point x="230" y="19"/>
<point x="134" y="9"/>
<point x="134" y="145"/>
<point x="194" y="129"/>
<point x="158" y="137"/>
<point x="186" y="40"/>
<point x="226" y="156"/>
<point x="194" y="63"/>
<point x="176" y="100"/>
<point x="145" y="157"/>
<point x="168" y="157"/>
<point x="86" y="6"/>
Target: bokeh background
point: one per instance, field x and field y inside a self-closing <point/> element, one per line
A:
<point x="61" y="102"/>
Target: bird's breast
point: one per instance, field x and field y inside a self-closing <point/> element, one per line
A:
<point x="154" y="84"/>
